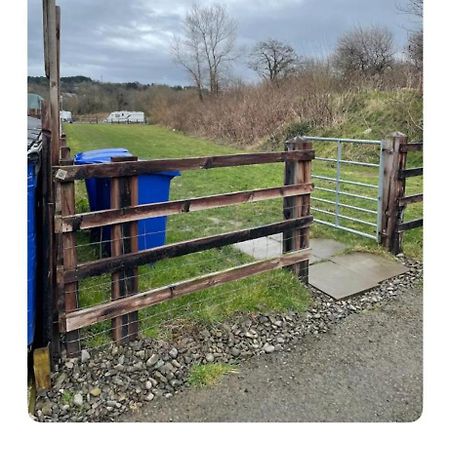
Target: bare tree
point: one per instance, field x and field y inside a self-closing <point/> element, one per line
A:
<point x="188" y="53"/>
<point x="273" y="59"/>
<point x="414" y="48"/>
<point x="413" y="7"/>
<point x="367" y="52"/>
<point x="208" y="45"/>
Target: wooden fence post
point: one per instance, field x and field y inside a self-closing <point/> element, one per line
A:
<point x="297" y="172"/>
<point x="51" y="31"/>
<point x="393" y="190"/>
<point x="124" y="239"/>
<point x="47" y="315"/>
<point x="65" y="202"/>
<point x="51" y="38"/>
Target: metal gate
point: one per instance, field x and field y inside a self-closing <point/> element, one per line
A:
<point x="348" y="190"/>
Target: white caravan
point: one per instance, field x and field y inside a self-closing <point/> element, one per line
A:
<point x="65" y="116"/>
<point x="126" y="117"/>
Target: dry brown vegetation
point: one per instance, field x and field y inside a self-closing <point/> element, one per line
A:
<point x="244" y="115"/>
<point x="248" y="115"/>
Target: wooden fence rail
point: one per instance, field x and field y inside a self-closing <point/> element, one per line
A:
<point x="95" y="219"/>
<point x="125" y="257"/>
<point x="123" y="169"/>
<point x="113" y="263"/>
<point x="89" y="316"/>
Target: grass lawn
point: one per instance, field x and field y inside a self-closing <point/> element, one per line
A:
<point x="275" y="291"/>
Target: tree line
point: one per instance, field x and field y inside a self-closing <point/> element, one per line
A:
<point x="207" y="51"/>
<point x="83" y="95"/>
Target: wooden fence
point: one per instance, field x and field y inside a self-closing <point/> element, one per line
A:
<point x="394" y="199"/>
<point x="84" y="119"/>
<point x="125" y="258"/>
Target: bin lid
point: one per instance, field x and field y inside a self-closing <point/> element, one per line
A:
<point x="99" y="156"/>
<point x="104" y="155"/>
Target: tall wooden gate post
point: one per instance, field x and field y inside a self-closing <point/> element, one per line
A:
<point x="47" y="330"/>
<point x="48" y="315"/>
<point x="393" y="190"/>
<point x="297" y="172"/>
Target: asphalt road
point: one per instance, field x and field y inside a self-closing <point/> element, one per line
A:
<point x="368" y="368"/>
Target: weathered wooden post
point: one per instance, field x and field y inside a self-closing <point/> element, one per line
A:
<point x="49" y="331"/>
<point x="65" y="150"/>
<point x="393" y="190"/>
<point x="64" y="244"/>
<point x="51" y="45"/>
<point x="67" y="260"/>
<point x="47" y="317"/>
<point x="297" y="172"/>
<point x="124" y="239"/>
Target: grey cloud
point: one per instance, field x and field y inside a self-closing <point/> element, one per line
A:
<point x="130" y="41"/>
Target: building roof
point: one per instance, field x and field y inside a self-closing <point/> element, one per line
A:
<point x="34" y="134"/>
<point x="34" y="101"/>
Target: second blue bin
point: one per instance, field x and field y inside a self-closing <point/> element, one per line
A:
<point x="32" y="246"/>
<point x="152" y="188"/>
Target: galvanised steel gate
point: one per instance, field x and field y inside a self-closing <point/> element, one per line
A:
<point x="349" y="190"/>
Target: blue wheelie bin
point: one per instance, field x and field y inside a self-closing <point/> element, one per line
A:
<point x="152" y="187"/>
<point x="31" y="246"/>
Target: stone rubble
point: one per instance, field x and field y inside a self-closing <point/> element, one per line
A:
<point x="103" y="384"/>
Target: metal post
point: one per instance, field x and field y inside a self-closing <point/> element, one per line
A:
<point x="338" y="177"/>
<point x="380" y="194"/>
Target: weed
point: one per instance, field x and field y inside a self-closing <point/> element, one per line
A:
<point x="202" y="375"/>
<point x="67" y="398"/>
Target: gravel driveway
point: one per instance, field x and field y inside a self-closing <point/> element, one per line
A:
<point x="366" y="368"/>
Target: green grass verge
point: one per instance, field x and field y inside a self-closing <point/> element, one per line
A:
<point x="208" y="374"/>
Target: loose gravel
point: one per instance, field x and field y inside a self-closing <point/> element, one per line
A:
<point x="103" y="384"/>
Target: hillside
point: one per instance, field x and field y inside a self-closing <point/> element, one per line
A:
<point x="84" y="96"/>
<point x="374" y="114"/>
<point x="365" y="115"/>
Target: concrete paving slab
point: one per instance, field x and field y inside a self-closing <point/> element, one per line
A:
<point x="338" y="276"/>
<point x="339" y="281"/>
<point x="346" y="275"/>
<point x="326" y="248"/>
<point x="379" y="268"/>
<point x="271" y="246"/>
<point x="260" y="248"/>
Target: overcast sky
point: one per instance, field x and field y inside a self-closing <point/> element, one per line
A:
<point x="117" y="40"/>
